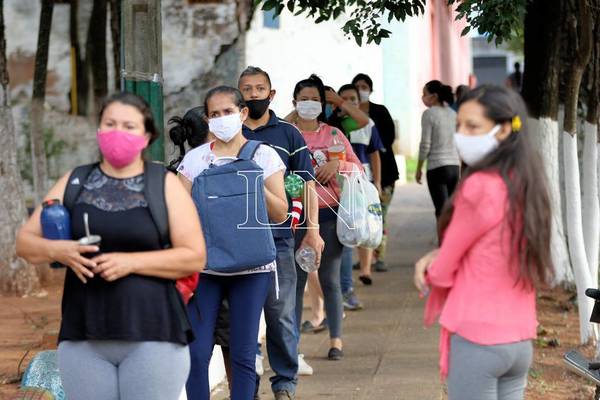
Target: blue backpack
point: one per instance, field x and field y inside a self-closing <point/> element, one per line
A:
<point x="231" y="203"/>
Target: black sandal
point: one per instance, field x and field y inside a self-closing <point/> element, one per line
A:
<point x="365" y="279"/>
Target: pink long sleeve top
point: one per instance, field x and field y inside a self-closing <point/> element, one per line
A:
<point x="318" y="142"/>
<point x="474" y="279"/>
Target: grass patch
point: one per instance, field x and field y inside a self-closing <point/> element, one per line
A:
<point x="411" y="169"/>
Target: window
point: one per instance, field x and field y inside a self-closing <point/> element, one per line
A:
<point x="270" y="20"/>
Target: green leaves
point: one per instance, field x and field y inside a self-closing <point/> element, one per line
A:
<point x="497" y="19"/>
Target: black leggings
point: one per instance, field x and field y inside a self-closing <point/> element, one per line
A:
<point x="441" y="182"/>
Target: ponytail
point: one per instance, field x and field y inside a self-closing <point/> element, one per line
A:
<point x="444" y="92"/>
<point x="192" y="128"/>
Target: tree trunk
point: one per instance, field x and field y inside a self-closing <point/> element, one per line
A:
<point x="580" y="31"/>
<point x="79" y="81"/>
<point x="591" y="205"/>
<point x="39" y="163"/>
<point x="96" y="53"/>
<point x="16" y="276"/>
<point x="115" y="29"/>
<point x="540" y="91"/>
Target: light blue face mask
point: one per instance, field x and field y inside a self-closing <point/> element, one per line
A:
<point x="328" y="110"/>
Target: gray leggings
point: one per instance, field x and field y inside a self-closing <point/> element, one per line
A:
<point x="119" y="370"/>
<point x="329" y="278"/>
<point x="497" y="372"/>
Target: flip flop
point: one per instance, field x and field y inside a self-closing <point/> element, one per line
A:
<point x="366" y="280"/>
<point x="308" y="327"/>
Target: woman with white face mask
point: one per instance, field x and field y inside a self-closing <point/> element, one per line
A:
<point x="389" y="170"/>
<point x="495" y="252"/>
<point x="246" y="291"/>
<point x="437" y="144"/>
<point x="309" y="102"/>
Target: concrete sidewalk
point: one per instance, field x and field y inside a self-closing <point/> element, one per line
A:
<point x="388" y="353"/>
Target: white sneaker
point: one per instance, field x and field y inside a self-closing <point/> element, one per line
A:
<point x="303" y="368"/>
<point x="258" y="365"/>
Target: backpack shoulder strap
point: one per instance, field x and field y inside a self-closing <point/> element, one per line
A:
<point x="249" y="149"/>
<point x="75" y="184"/>
<point x="154" y="191"/>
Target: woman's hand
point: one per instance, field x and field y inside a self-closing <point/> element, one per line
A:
<point x="313" y="239"/>
<point x="113" y="266"/>
<point x="69" y="253"/>
<point x="420" y="269"/>
<point x="327" y="171"/>
<point x="419" y="176"/>
<point x="333" y="98"/>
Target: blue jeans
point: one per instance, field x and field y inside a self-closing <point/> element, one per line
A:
<point x="246" y="295"/>
<point x="280" y="316"/>
<point x="346" y="270"/>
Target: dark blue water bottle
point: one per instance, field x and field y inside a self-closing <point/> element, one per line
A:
<point x="56" y="223"/>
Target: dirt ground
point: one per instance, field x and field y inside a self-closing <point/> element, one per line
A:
<point x="30" y="324"/>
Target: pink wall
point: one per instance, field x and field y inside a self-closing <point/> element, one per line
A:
<point x="446" y="55"/>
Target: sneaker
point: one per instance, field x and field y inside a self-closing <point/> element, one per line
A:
<point x="260" y="370"/>
<point x="380" y="266"/>
<point x="303" y="368"/>
<point x="284" y="395"/>
<point x="351" y="302"/>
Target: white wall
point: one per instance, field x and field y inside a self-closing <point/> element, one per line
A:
<point x="300" y="47"/>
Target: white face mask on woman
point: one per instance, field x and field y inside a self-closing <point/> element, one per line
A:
<point x="225" y="128"/>
<point x="364" y="95"/>
<point x="473" y="149"/>
<point x="309" y="109"/>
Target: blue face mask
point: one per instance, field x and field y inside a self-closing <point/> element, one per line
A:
<point x="328" y="110"/>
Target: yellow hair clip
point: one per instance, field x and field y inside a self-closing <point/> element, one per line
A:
<point x="516" y="123"/>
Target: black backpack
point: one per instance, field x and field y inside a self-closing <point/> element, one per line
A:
<point x="154" y="191"/>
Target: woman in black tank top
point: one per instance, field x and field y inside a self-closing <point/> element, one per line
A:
<point x="122" y="295"/>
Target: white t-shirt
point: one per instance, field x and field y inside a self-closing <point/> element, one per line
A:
<point x="200" y="158"/>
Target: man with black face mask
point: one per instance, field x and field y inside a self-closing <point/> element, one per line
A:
<point x="262" y="124"/>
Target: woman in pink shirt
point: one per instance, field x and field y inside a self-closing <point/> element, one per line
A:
<point x="309" y="102"/>
<point x="495" y="251"/>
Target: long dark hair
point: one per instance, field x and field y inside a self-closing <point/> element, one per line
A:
<point x="444" y="92"/>
<point x="520" y="166"/>
<point x="137" y="102"/>
<point x="313" y="81"/>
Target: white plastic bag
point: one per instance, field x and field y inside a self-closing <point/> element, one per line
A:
<point x="374" y="213"/>
<point x="359" y="220"/>
<point x="352" y="227"/>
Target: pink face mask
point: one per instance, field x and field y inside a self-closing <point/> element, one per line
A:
<point x="120" y="148"/>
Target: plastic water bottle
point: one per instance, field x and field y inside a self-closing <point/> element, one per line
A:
<point x="56" y="223"/>
<point x="337" y="150"/>
<point x="306" y="257"/>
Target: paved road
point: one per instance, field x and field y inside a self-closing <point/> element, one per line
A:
<point x="389" y="355"/>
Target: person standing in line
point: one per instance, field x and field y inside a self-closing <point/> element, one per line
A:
<point x="309" y="102"/>
<point x="437" y="147"/>
<point x="280" y="313"/>
<point x="124" y="331"/>
<point x="495" y="252"/>
<point x="389" y="169"/>
<point x="246" y="291"/>
<point x="367" y="145"/>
